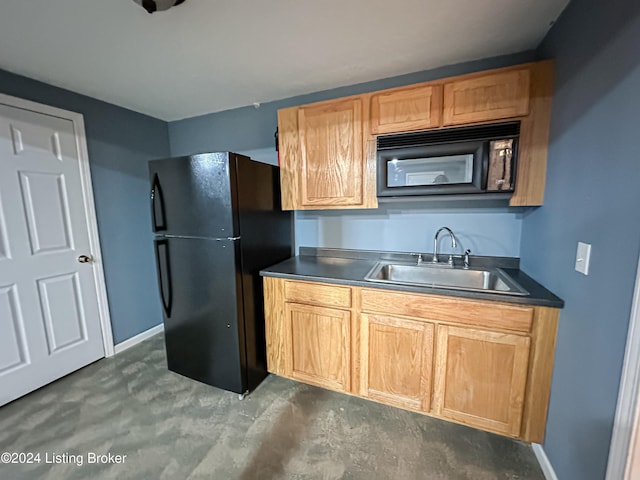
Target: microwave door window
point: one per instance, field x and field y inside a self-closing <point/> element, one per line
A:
<point x="442" y="170"/>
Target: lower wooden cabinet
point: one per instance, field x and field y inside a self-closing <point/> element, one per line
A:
<point x="396" y="361"/>
<point x="480" y="363"/>
<point x="320" y="339"/>
<point x="480" y="378"/>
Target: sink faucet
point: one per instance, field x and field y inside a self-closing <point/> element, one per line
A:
<point x="435" y="245"/>
<point x="419" y="255"/>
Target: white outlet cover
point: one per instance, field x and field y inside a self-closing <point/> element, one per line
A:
<point x="583" y="255"/>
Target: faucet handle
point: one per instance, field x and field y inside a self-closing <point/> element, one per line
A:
<point x="419" y="255"/>
<point x="466" y="259"/>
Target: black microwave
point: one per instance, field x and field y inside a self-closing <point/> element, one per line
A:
<point x="464" y="160"/>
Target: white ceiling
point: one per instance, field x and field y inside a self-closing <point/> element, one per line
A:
<point x="211" y="55"/>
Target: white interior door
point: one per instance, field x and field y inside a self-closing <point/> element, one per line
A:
<point x="49" y="312"/>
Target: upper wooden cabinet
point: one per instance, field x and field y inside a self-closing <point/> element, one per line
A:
<point x="322" y="159"/>
<point x="484" y="98"/>
<point x="328" y="149"/>
<point x="406" y="109"/>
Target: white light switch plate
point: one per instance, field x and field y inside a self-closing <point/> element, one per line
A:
<point x="583" y="255"/>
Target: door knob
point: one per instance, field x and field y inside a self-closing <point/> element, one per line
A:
<point x="85" y="259"/>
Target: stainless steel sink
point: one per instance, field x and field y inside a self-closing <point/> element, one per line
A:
<point x="493" y="280"/>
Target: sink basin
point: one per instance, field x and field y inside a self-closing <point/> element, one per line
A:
<point x="493" y="280"/>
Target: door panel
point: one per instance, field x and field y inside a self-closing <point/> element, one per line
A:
<point x="13" y="346"/>
<point x="204" y="321"/>
<point x="47" y="210"/>
<point x="5" y="252"/>
<point x="63" y="311"/>
<point x="48" y="300"/>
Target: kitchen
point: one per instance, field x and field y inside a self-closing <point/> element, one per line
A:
<point x="585" y="200"/>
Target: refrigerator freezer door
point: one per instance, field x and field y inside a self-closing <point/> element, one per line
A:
<point x="192" y="196"/>
<point x="203" y="314"/>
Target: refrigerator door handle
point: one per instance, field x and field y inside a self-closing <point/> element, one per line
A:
<point x="168" y="300"/>
<point x="156" y="196"/>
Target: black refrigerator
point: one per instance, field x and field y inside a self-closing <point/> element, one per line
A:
<point x="217" y="222"/>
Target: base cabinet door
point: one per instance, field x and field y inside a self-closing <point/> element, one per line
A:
<point x="481" y="378"/>
<point x="319" y="349"/>
<point x="396" y="361"/>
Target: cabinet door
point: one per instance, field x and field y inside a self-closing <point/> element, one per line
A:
<point x="481" y="378"/>
<point x="489" y="97"/>
<point x="406" y="109"/>
<point x="396" y="361"/>
<point x="320" y="342"/>
<point x="331" y="142"/>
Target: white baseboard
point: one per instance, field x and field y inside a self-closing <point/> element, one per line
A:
<point x="141" y="337"/>
<point x="543" y="460"/>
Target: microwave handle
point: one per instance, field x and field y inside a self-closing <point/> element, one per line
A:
<point x="507" y="155"/>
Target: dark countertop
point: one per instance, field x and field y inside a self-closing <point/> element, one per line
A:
<point x="349" y="267"/>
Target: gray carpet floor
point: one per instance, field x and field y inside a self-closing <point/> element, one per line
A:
<point x="170" y="427"/>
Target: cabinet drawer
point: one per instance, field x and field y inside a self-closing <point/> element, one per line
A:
<point x="448" y="309"/>
<point x="317" y="294"/>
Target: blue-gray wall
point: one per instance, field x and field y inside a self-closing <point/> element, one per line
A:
<point x="120" y="143"/>
<point x="486" y="229"/>
<point x="249" y="128"/>
<point x="592" y="195"/>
